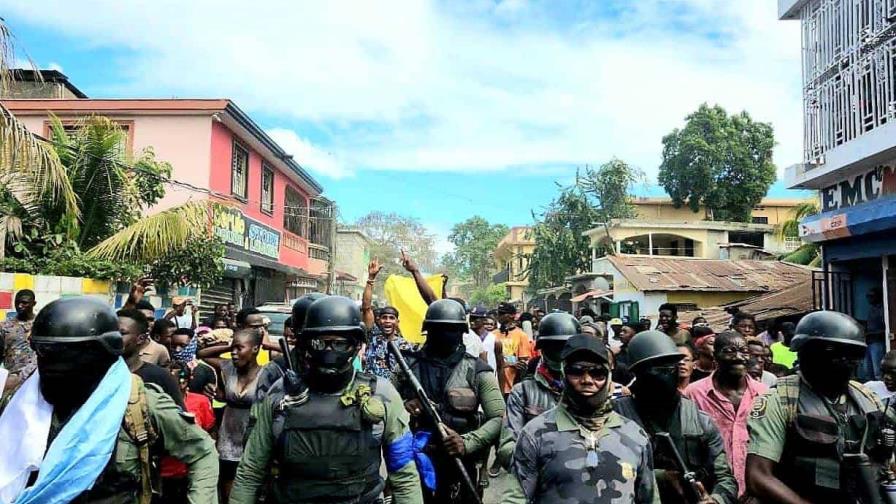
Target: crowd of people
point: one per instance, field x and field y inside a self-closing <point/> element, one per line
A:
<point x="105" y="406"/>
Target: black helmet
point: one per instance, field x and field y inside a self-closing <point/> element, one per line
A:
<point x="446" y="312"/>
<point x="78" y="319"/>
<point x="651" y="347"/>
<point x="300" y="308"/>
<point x="333" y="315"/>
<point x="557" y="327"/>
<point x="831" y="326"/>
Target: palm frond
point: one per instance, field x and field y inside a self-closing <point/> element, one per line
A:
<point x="791" y="226"/>
<point x="151" y="237"/>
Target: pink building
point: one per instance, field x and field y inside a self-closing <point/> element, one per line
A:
<point x="277" y="229"/>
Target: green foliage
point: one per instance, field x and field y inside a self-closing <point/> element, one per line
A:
<point x="722" y="162"/>
<point x="197" y="264"/>
<point x="488" y="296"/>
<point x="560" y="248"/>
<point x="389" y="233"/>
<point x="790" y="228"/>
<point x="68" y="261"/>
<point x="611" y="188"/>
<point x="474" y="242"/>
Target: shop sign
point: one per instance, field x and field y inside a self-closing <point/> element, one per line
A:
<point x="862" y="188"/>
<point x="234" y="228"/>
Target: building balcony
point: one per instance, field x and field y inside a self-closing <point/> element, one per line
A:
<point x="501" y="277"/>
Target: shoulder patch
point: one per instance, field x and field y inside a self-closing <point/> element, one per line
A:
<point x="760" y="406"/>
<point x="628" y="471"/>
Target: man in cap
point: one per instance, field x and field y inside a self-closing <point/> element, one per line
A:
<point x="668" y="323"/>
<point x="93" y="427"/>
<point x="533" y="396"/>
<point x="657" y="407"/>
<point x="329" y="426"/>
<point x="459" y="385"/>
<point x="811" y="435"/>
<point x="581" y="450"/>
<point x="515" y="346"/>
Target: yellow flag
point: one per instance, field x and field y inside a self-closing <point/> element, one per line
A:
<point x="401" y="292"/>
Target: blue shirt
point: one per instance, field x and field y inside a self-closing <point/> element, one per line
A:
<point x="377" y="359"/>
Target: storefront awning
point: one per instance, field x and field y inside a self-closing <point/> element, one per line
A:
<point x="236" y="269"/>
<point x="873" y="217"/>
<point x="261" y="262"/>
<point x="592" y="294"/>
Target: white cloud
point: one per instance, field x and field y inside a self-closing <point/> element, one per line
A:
<point x="411" y="85"/>
<point x="308" y="155"/>
<point x="54" y="66"/>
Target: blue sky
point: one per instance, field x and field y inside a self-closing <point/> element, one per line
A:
<point x="440" y="110"/>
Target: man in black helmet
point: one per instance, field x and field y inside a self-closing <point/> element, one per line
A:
<point x="459" y="384"/>
<point x="533" y="396"/>
<point x="274" y="370"/>
<point x="657" y="406"/>
<point x="328" y="427"/>
<point x="92" y="426"/>
<point x="807" y="434"/>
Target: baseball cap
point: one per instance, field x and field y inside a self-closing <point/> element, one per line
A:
<point x="615" y="321"/>
<point x="585" y="343"/>
<point x="478" y="312"/>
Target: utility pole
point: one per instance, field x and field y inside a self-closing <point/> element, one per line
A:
<point x="331" y="266"/>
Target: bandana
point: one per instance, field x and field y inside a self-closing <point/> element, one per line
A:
<point x="188" y="354"/>
<point x="555" y="384"/>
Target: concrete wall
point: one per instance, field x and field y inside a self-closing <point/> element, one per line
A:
<point x="660" y="211"/>
<point x="31" y="90"/>
<point x="352" y="257"/>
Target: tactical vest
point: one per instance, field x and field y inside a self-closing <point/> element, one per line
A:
<point x="114" y="486"/>
<point x="537" y="397"/>
<point x="459" y="405"/>
<point x="327" y="452"/>
<point x="816" y="440"/>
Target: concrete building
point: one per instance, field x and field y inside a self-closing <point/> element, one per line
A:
<point x="51" y="84"/>
<point x="276" y="226"/>
<point x="512" y="261"/>
<point x="352" y="256"/>
<point x="849" y="157"/>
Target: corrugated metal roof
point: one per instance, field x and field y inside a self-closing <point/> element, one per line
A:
<point x="653" y="273"/>
<point x="793" y="300"/>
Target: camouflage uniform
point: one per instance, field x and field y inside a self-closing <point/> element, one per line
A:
<point x="527" y="400"/>
<point x="550" y="463"/>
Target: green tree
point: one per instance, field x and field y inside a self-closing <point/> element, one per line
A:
<point x="560" y="247"/>
<point x="391" y="232"/>
<point x="489" y="296"/>
<point x="611" y="188"/>
<point x="808" y="253"/>
<point x="719" y="161"/>
<point x="474" y="242"/>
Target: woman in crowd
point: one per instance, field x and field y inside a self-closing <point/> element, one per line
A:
<point x="237" y="387"/>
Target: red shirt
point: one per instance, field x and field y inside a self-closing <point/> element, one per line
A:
<point x="732" y="424"/>
<point x="200" y="406"/>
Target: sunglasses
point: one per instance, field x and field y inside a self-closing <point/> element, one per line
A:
<point x="335" y="345"/>
<point x="597" y="373"/>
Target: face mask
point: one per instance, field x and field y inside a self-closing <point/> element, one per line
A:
<point x="443" y="343"/>
<point x="827" y="373"/>
<point x="330" y="368"/>
<point x="586" y="405"/>
<point x="551" y="357"/>
<point x="188" y="354"/>
<point x="657" y="386"/>
<point x="67" y="380"/>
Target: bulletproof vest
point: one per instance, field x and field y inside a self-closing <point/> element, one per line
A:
<point x="459" y="404"/>
<point x="537" y="397"/>
<point x="327" y="452"/>
<point x="816" y="440"/>
<point x="689" y="436"/>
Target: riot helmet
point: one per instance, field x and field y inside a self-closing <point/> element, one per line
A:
<point x="652" y="347"/>
<point x="77" y="320"/>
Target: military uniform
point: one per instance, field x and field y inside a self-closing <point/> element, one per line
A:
<point x="528" y="399"/>
<point x="550" y="466"/>
<point x="471" y="384"/>
<point x="806" y="435"/>
<point x="698" y="441"/>
<point x="330" y="447"/>
<point x="167" y="429"/>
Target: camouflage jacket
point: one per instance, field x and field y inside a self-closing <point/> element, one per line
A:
<point x="527" y="400"/>
<point x="549" y="463"/>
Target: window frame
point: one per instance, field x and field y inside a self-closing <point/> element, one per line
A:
<point x="291" y="212"/>
<point x="237" y="146"/>
<point x="267" y="208"/>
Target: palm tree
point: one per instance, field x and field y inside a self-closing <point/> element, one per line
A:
<point x="30" y="170"/>
<point x="808" y="253"/>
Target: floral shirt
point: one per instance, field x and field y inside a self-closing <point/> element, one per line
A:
<point x="377" y="359"/>
<point x="19" y="357"/>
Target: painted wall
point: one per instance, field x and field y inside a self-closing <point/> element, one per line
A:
<point x="181" y="140"/>
<point x="352" y="257"/>
<point x="293" y="248"/>
<point x="775" y="211"/>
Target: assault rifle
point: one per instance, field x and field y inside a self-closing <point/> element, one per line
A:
<point x="694" y="489"/>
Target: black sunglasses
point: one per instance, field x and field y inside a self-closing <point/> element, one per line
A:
<point x="597" y="373"/>
<point x="335" y="345"/>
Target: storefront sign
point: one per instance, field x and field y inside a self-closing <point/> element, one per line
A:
<point x="858" y="189"/>
<point x="234" y="228"/>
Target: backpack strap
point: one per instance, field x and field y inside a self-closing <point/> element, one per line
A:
<point x="139" y="427"/>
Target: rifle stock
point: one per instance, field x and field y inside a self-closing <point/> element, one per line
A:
<point x="690" y="479"/>
<point x="433" y="415"/>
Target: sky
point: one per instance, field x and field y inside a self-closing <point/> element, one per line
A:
<point x="441" y="110"/>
